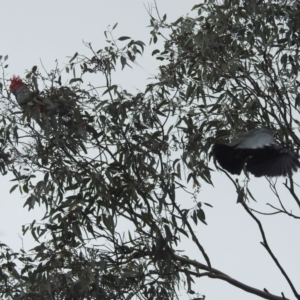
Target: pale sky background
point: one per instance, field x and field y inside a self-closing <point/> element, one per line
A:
<point x="54" y="30"/>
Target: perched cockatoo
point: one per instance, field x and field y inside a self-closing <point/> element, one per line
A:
<point x="259" y="152"/>
<point x="20" y="90"/>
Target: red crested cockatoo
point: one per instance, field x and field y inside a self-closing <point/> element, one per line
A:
<point x="259" y="152"/>
<point x="20" y="90"/>
<point x="58" y="101"/>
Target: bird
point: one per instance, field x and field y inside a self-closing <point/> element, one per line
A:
<point x="20" y="90"/>
<point x="259" y="152"/>
<point x="57" y="101"/>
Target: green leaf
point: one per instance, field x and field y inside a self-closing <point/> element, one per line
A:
<point x="190" y="89"/>
<point x="76" y="230"/>
<point x="123" y="38"/>
<point x="168" y="233"/>
<point x="123" y="62"/>
<point x="109" y="89"/>
<point x="155" y="52"/>
<point x="297" y="100"/>
<point x="13" y="188"/>
<point x="74" y="56"/>
<point x="283" y="59"/>
<point x="76" y="80"/>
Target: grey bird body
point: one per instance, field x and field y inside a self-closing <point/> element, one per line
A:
<point x="259" y="152"/>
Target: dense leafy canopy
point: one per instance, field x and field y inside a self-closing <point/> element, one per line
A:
<point x="103" y="161"/>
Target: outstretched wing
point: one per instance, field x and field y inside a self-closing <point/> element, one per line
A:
<point x="273" y="161"/>
<point x="254" y="139"/>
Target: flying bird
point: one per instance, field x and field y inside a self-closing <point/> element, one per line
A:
<point x="259" y="152"/>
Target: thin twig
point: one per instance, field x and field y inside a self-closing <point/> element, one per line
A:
<point x="266" y="245"/>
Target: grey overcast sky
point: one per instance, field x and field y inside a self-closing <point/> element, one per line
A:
<point x="53" y="30"/>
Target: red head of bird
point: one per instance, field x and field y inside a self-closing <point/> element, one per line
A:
<point x="15" y="83"/>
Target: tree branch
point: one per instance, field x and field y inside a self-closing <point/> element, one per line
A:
<point x="266" y="245"/>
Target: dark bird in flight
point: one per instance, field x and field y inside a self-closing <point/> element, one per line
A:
<point x="259" y="152"/>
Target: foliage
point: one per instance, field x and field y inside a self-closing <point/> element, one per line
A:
<point x="101" y="159"/>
